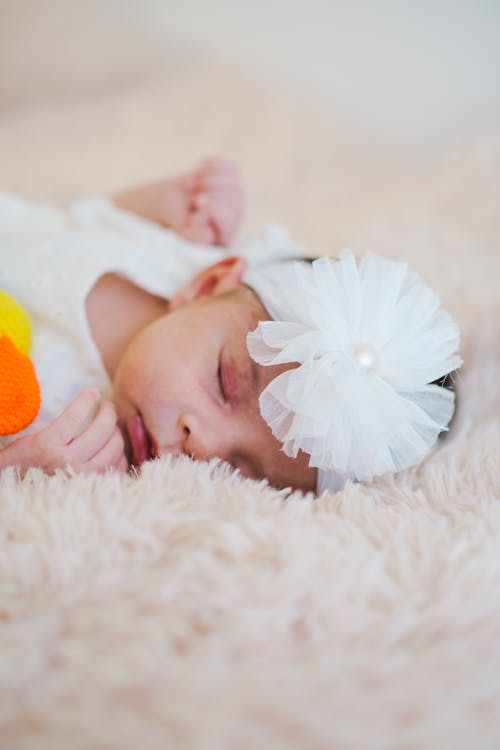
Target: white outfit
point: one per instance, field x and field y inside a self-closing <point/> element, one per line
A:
<point x="50" y="259"/>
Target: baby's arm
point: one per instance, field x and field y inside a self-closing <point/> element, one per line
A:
<point x="204" y="206"/>
<point x="97" y="447"/>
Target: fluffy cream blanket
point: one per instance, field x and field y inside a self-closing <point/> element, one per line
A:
<point x="189" y="608"/>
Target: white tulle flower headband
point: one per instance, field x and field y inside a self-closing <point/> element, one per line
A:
<point x="369" y="338"/>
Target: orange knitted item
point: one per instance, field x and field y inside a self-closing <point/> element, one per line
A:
<point x="19" y="389"/>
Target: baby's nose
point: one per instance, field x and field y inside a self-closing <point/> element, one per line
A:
<point x="200" y="440"/>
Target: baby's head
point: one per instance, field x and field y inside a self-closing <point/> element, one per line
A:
<point x="187" y="384"/>
<point x="299" y="373"/>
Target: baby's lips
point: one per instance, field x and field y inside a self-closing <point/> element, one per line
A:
<point x="19" y="389"/>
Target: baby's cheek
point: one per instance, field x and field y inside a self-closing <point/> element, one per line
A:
<point x="233" y="381"/>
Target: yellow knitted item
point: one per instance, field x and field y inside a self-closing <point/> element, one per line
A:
<point x="15" y="322"/>
<point x="19" y="388"/>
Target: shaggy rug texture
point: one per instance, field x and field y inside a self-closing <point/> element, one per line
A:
<point x="188" y="607"/>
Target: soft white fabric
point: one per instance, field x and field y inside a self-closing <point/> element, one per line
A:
<point x="50" y="259"/>
<point x="329" y="481"/>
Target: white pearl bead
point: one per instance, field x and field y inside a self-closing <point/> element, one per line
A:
<point x="365" y="356"/>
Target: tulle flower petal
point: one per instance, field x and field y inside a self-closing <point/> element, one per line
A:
<point x="369" y="338"/>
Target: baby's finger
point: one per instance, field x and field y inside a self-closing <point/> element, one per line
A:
<point x="74" y="418"/>
<point x="199" y="228"/>
<point x="205" y="202"/>
<point x="224" y="218"/>
<point x="216" y="165"/>
<point x="109" y="455"/>
<point x="97" y="434"/>
<point x="224" y="181"/>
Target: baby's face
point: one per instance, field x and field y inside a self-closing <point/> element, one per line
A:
<point x="186" y="384"/>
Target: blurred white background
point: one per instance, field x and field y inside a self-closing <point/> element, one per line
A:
<point x="354" y="123"/>
<point x="414" y="69"/>
<point x="358" y="123"/>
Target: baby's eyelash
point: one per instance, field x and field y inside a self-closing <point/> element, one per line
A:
<point x="220" y="380"/>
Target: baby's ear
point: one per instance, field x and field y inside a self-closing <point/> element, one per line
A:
<point x="217" y="279"/>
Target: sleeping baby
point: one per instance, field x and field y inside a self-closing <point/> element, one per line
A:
<point x="151" y="338"/>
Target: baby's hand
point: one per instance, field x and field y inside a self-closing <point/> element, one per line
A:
<point x="69" y="441"/>
<point x="214" y="203"/>
<point x="204" y="206"/>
